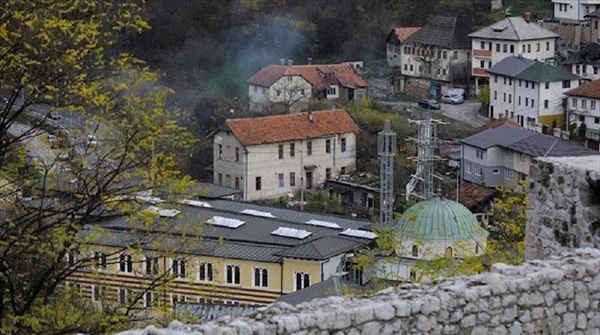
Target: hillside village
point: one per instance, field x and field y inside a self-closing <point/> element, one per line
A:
<point x="119" y="208"/>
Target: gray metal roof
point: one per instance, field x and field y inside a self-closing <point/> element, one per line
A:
<point x="513" y="29"/>
<point x="527" y="142"/>
<point x="334" y="286"/>
<point x="442" y="31"/>
<point x="253" y="240"/>
<point x="322" y="248"/>
<point x="511" y="66"/>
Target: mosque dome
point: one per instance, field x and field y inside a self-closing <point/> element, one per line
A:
<point x="439" y="219"/>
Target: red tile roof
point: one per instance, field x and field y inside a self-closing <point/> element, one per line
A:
<point x="344" y="74"/>
<point x="588" y="90"/>
<point x="290" y="127"/>
<point x="496" y="123"/>
<point x="471" y="195"/>
<point x="403" y="33"/>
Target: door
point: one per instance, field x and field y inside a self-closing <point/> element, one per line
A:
<point x="309" y="179"/>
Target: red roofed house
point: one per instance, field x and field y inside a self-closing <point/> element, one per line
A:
<point x="291" y="86"/>
<point x="583" y="107"/>
<point x="270" y="157"/>
<point x="394" y="43"/>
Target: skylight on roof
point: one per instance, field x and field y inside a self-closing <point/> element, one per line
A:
<point x="258" y="213"/>
<point x="323" y="223"/>
<point x="291" y="232"/>
<point x="164" y="212"/>
<point x="359" y="233"/>
<point x="224" y="222"/>
<point x="195" y="203"/>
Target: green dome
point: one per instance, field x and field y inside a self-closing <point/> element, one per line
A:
<point x="439" y="219"/>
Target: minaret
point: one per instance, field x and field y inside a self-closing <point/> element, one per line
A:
<point x="386" y="150"/>
<point x="427" y="143"/>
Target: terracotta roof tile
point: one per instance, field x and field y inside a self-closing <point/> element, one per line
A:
<point x="402" y="33"/>
<point x="344" y="74"/>
<point x="588" y="90"/>
<point x="290" y="127"/>
<point x="471" y="195"/>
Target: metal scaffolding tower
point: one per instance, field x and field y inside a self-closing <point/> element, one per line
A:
<point x="386" y="150"/>
<point x="427" y="144"/>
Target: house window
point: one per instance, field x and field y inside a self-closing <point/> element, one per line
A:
<point x="482" y="45"/>
<point x="151" y="265"/>
<point x="497" y="47"/>
<point x="547" y="85"/>
<point x="596" y="120"/>
<point x="592" y="104"/>
<point x="583" y="103"/>
<point x="232" y="274"/>
<point x="490" y="46"/>
<point x="280" y="152"/>
<point x="292" y="179"/>
<point x="595" y="67"/>
<point x="97" y="292"/>
<point x="343" y="170"/>
<point x="309" y="148"/>
<point x="175" y="298"/>
<point x="328" y="146"/>
<point x="496" y="171"/>
<point x="125" y="264"/>
<point x="495" y="95"/>
<point x="507" y="174"/>
<point x="405" y="67"/>
<point x="328" y="173"/>
<point x="495" y="78"/>
<point x="445" y="54"/>
<point x="509" y="98"/>
<point x="546" y="104"/>
<point x="526" y="101"/>
<point x="526" y="84"/>
<point x="504" y="78"/>
<point x="261" y="277"/>
<point x="509" y="81"/>
<point x="532" y="85"/>
<point x="302" y="280"/>
<point x="519" y="100"/>
<point x="537" y="47"/>
<point x="574" y="102"/>
<point x="512" y="49"/>
<point x="72" y="257"/>
<point x="292" y="149"/>
<point x="547" y="46"/>
<point x="237" y="154"/>
<point x="532" y="102"/>
<point x="100" y="259"/>
<point x="478" y="171"/>
<point x="528" y="48"/>
<point x="178" y="268"/>
<point x="258" y="183"/>
<point x="504" y="97"/>
<point x="220" y="153"/>
<point x="415" y="251"/>
<point x="566" y="84"/>
<point x="449" y="252"/>
<point x="504" y="48"/>
<point x="479" y="154"/>
<point x="280" y="179"/>
<point x="148" y="299"/>
<point x="123" y="296"/>
<point x="343" y="144"/>
<point x="205" y="271"/>
<point x="468" y="167"/>
<point x="220" y="178"/>
<point x="455" y="55"/>
<point x="524" y="48"/>
<point x="482" y="64"/>
<point x="237" y="183"/>
<point x="332" y="90"/>
<point x="581" y="118"/>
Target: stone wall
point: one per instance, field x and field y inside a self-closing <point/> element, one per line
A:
<point x="553" y="296"/>
<point x="564" y="205"/>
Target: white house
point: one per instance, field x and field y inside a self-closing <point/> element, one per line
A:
<point x="273" y="156"/>
<point x="529" y="92"/>
<point x="394" y="43"/>
<point x="513" y="36"/>
<point x="584" y="107"/>
<point x="435" y="57"/>
<point x="574" y="10"/>
<point x="586" y="62"/>
<point x="292" y="86"/>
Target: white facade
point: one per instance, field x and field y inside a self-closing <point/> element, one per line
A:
<point x="586" y="110"/>
<point x="586" y="71"/>
<point x="273" y="170"/>
<point x="288" y="90"/>
<point x="574" y="10"/>
<point x="530" y="104"/>
<point x="431" y="62"/>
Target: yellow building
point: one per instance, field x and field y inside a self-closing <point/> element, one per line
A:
<point x="215" y="251"/>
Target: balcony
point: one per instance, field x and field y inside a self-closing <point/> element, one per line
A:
<point x="482" y="53"/>
<point x="479" y="72"/>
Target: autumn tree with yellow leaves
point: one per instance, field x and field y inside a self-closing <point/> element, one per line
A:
<point x="60" y="53"/>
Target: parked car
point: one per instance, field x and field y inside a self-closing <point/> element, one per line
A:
<point x="454" y="99"/>
<point x="429" y="104"/>
<point x="456" y="91"/>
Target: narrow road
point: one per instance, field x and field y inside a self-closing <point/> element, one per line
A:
<point x="467" y="112"/>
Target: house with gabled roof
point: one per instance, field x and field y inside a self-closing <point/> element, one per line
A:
<point x="394" y="43"/>
<point x="274" y="156"/>
<point x="529" y="92"/>
<point x="290" y="87"/>
<point x="435" y="57"/>
<point x="583" y="108"/>
<point x="512" y="36"/>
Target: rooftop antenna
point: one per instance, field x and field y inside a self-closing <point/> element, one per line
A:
<point x="427" y="144"/>
<point x="386" y="150"/>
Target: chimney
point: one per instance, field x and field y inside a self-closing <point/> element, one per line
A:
<point x="309" y="61"/>
<point x="527" y="17"/>
<point x="282" y="61"/>
<point x="290" y="62"/>
<point x="310" y="116"/>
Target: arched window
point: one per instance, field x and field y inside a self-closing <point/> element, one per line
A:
<point x="415" y="251"/>
<point x="449" y="252"/>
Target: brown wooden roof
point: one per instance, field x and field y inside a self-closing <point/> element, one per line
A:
<point x="290" y="127"/>
<point x="588" y="90"/>
<point x="471" y="195"/>
<point x="343" y="73"/>
<point x="399" y="35"/>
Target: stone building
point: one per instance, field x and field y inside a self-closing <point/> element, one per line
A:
<point x="273" y="156"/>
